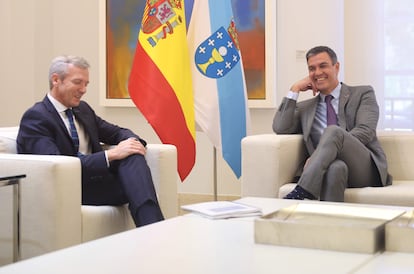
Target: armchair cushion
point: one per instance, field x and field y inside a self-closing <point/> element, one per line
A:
<point x="99" y="221"/>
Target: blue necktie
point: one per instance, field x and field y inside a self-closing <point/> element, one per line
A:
<point x="331" y="118"/>
<point x="73" y="132"/>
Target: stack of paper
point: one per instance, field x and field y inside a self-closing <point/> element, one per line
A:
<point x="223" y="209"/>
<point x="399" y="234"/>
<point x="325" y="226"/>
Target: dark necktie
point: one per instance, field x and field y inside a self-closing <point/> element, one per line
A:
<point x="330" y="112"/>
<point x="73" y="132"/>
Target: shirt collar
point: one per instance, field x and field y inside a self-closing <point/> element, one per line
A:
<point x="58" y="105"/>
<point x="335" y="93"/>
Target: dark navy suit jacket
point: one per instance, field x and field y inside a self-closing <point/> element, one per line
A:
<point x="42" y="131"/>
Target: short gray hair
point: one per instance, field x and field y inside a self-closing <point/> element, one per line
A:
<point x="60" y="66"/>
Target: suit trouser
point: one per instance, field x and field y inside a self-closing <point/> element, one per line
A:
<point x="339" y="161"/>
<point x="127" y="181"/>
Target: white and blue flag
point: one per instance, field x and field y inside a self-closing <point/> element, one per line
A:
<point x="220" y="92"/>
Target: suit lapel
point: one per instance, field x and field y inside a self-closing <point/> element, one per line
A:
<point x="309" y="116"/>
<point x="310" y="112"/>
<point x="343" y="100"/>
<point x="51" y="109"/>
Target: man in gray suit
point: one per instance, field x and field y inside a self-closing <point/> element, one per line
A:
<point x="339" y="134"/>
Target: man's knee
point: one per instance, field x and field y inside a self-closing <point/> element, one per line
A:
<point x="332" y="135"/>
<point x="333" y="131"/>
<point x="133" y="161"/>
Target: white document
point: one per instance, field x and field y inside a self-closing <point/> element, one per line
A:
<point x="223" y="209"/>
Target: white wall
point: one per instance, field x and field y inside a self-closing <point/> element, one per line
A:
<point x="365" y="46"/>
<point x="302" y="25"/>
<point x="34" y="31"/>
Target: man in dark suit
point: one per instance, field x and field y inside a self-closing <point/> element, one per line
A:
<point x="340" y="135"/>
<point x="63" y="124"/>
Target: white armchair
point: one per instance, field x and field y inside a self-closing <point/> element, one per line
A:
<point x="270" y="161"/>
<point x="51" y="214"/>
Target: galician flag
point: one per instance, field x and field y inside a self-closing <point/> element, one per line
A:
<point x="220" y="95"/>
<point x="160" y="82"/>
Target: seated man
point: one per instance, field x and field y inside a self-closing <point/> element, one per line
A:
<point x="62" y="124"/>
<point x="339" y="131"/>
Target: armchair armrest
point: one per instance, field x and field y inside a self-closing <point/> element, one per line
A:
<point x="162" y="160"/>
<point x="50" y="201"/>
<point x="268" y="162"/>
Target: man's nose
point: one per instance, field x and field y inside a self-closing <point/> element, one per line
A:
<point x="317" y="70"/>
<point x="83" y="88"/>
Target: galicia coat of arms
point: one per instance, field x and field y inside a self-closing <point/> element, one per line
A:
<point x="219" y="53"/>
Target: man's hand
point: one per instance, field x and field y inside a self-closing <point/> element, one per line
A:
<point x="125" y="148"/>
<point x="304" y="85"/>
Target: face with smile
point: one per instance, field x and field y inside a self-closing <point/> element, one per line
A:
<point x="72" y="87"/>
<point x="323" y="74"/>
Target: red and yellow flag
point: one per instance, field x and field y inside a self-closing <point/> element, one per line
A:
<point x="160" y="79"/>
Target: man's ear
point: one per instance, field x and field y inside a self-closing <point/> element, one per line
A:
<point x="55" y="79"/>
<point x="337" y="66"/>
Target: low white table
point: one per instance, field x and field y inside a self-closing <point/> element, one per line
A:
<point x="194" y="244"/>
<point x="389" y="262"/>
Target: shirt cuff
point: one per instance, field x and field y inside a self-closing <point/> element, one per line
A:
<point x="106" y="158"/>
<point x="292" y="95"/>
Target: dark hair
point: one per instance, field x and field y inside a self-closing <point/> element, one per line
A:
<point x="320" y="49"/>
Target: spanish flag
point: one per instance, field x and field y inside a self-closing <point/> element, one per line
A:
<point x="160" y="82"/>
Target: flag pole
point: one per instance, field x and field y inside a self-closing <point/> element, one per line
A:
<point x="215" y="172"/>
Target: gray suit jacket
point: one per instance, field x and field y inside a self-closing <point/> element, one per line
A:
<point x="358" y="114"/>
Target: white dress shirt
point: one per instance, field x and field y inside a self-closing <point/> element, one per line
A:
<point x="84" y="146"/>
